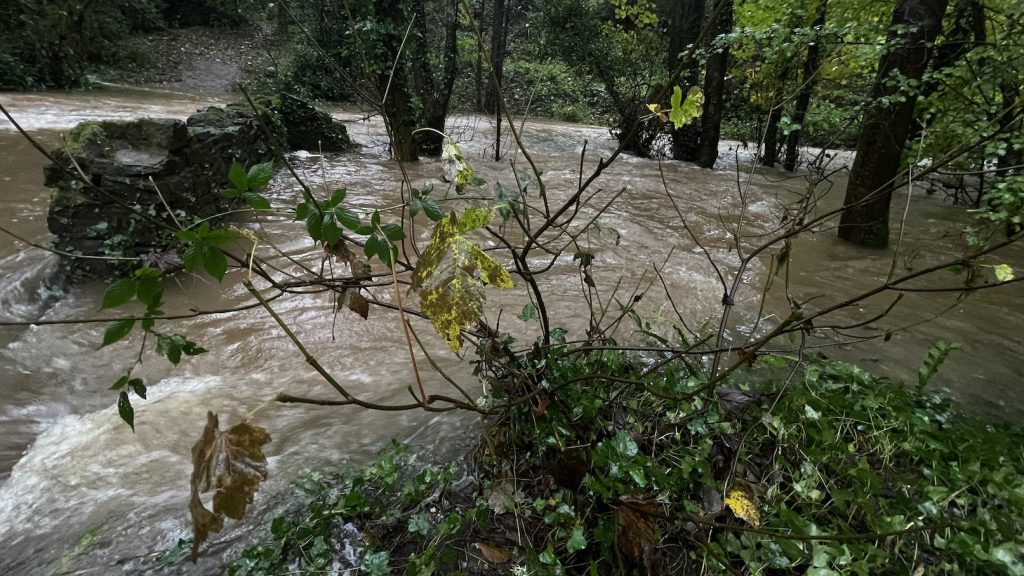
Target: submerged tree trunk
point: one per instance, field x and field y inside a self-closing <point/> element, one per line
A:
<point x="770" y="151"/>
<point x="396" y="97"/>
<point x="493" y="100"/>
<point x="714" y="91"/>
<point x="435" y="93"/>
<point x="807" y="81"/>
<point x="1010" y="123"/>
<point x="915" y="25"/>
<point x="685" y="22"/>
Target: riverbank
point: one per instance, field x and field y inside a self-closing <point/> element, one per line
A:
<point x="200" y="61"/>
<point x="818" y="469"/>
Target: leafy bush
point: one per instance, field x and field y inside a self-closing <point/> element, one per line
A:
<point x="836" y="472"/>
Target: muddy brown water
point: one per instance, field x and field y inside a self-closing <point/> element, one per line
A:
<point x="71" y="472"/>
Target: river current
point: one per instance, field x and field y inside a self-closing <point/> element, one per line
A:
<point x="81" y="494"/>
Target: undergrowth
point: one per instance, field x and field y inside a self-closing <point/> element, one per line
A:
<point x="820" y="470"/>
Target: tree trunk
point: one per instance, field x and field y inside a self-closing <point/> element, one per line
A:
<point x="803" y="99"/>
<point x="714" y="90"/>
<point x="400" y="116"/>
<point x="497" y="55"/>
<point x="915" y="25"/>
<point x="685" y="22"/>
<point x="435" y="93"/>
<point x="770" y="151"/>
<point x="1010" y="123"/>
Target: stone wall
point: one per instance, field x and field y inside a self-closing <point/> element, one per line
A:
<point x="106" y="201"/>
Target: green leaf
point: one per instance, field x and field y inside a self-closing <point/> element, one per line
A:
<point x="219" y="236"/>
<point x="376" y="563"/>
<point x="215" y="262"/>
<point x="260" y="175"/>
<point x="256" y="201"/>
<point x="393" y="232"/>
<point x="125" y="410"/>
<point x="193" y="257"/>
<point x="338" y="197"/>
<point x="577" y="541"/>
<point x="529" y="313"/>
<point x="169" y="347"/>
<point x="120" y="293"/>
<point x="432" y="209"/>
<point x="148" y="273"/>
<point x="301" y="211"/>
<point x="136" y="385"/>
<point x="330" y="232"/>
<point x="121" y="382"/>
<point x="238" y="177"/>
<point x="419" y="524"/>
<point x="117" y="331"/>
<point x="150" y="290"/>
<point x="686" y="112"/>
<point x="347" y="218"/>
<point x="315" y="224"/>
<point x="937" y="354"/>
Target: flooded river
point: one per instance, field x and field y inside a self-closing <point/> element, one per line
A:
<point x="72" y="474"/>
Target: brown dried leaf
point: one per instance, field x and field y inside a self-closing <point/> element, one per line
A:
<point x="636" y="526"/>
<point x="358" y="304"/>
<point x="231" y="462"/>
<point x="493" y="554"/>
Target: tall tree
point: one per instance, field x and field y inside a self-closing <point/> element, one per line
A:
<point x="685" y="21"/>
<point x="812" y="61"/>
<point x="714" y="87"/>
<point x="908" y="47"/>
<point x="499" y="37"/>
<point x="435" y="90"/>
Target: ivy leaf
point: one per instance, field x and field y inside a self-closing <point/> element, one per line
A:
<point x="432" y="209"/>
<point x="347" y="218"/>
<point x="337" y="197"/>
<point x="688" y="111"/>
<point x="125" y="410"/>
<point x="117" y="331"/>
<point x="233" y="464"/>
<point x="120" y="293"/>
<point x="238" y="177"/>
<point x="260" y="175"/>
<point x="529" y="313"/>
<point x="577" y="541"/>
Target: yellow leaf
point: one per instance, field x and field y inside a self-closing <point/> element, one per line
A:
<point x="1004" y="273"/>
<point x="742" y="504"/>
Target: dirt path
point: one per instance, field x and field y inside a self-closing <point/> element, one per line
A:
<point x="208" y="61"/>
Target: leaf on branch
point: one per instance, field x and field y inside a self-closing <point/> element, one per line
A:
<point x="688" y="111"/>
<point x="741" y="501"/>
<point x="117" y="331"/>
<point x="233" y="464"/>
<point x="1004" y="273"/>
<point x="355" y="302"/>
<point x="454" y="166"/>
<point x="451" y="274"/>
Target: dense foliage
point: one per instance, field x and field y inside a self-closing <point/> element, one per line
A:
<point x="834" y="471"/>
